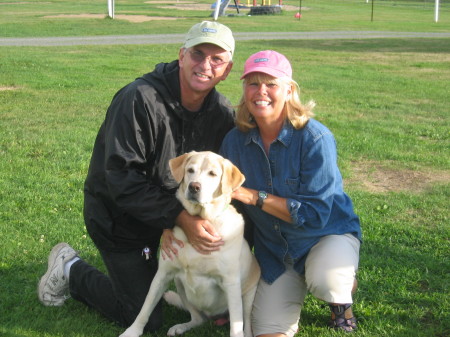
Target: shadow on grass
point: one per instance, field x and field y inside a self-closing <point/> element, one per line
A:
<point x="21" y="313"/>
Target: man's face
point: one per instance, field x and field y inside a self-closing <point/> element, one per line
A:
<point x="202" y="67"/>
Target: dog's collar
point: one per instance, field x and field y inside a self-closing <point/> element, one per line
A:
<point x="217" y="215"/>
<point x="223" y="211"/>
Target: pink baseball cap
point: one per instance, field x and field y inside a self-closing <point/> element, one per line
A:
<point x="268" y="62"/>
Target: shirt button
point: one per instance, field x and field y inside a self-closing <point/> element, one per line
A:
<point x="275" y="227"/>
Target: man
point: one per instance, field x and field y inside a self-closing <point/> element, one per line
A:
<point x="129" y="192"/>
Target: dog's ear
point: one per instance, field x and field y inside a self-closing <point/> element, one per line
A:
<point x="178" y="164"/>
<point x="232" y="178"/>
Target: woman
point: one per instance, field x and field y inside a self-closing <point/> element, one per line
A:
<point x="307" y="236"/>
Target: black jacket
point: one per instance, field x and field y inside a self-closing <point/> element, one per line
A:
<point x="129" y="193"/>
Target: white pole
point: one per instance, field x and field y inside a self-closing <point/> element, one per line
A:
<point x="216" y="10"/>
<point x="111" y="9"/>
<point x="436" y="11"/>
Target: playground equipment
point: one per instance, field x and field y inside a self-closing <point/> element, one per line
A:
<point x="220" y="8"/>
<point x="263" y="3"/>
<point x="111" y="9"/>
<point x="265" y="8"/>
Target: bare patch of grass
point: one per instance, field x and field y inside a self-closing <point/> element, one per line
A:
<point x="189" y="6"/>
<point x="376" y="177"/>
<point x="180" y="5"/>
<point x="24" y="3"/>
<point x="130" y="18"/>
<point x="4" y="88"/>
<point x="169" y="2"/>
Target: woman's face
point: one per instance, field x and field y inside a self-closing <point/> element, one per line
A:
<point x="265" y="97"/>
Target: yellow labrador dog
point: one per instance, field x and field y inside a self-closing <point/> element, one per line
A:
<point x="207" y="285"/>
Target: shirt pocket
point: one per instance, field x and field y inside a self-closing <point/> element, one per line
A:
<point x="292" y="185"/>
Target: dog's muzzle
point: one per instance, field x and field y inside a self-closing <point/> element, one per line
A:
<point x="194" y="189"/>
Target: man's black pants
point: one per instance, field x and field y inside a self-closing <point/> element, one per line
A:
<point x="120" y="295"/>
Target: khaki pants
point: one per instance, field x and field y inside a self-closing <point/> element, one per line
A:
<point x="330" y="270"/>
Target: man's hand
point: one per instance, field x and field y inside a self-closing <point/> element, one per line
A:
<point x="168" y="250"/>
<point x="200" y="233"/>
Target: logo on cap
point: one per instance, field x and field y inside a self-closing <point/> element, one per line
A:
<point x="262" y="59"/>
<point x="209" y="30"/>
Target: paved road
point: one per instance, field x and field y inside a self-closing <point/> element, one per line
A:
<point x="239" y="36"/>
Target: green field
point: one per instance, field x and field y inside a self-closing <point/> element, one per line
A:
<point x="386" y="101"/>
<point x="89" y="17"/>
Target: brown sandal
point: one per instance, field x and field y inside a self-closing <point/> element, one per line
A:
<point x="342" y="317"/>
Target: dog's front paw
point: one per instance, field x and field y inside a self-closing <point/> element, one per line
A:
<point x="239" y="334"/>
<point x="178" y="329"/>
<point x="130" y="332"/>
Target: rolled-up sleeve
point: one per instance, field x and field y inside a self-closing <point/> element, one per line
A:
<point x="293" y="207"/>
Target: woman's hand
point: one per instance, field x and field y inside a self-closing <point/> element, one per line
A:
<point x="273" y="204"/>
<point x="168" y="250"/>
<point x="245" y="195"/>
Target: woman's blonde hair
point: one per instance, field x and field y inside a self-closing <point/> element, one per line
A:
<point x="297" y="113"/>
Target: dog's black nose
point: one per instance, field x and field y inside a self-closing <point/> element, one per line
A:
<point x="195" y="187"/>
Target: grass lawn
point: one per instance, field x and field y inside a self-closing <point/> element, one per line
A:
<point x="386" y="101"/>
<point x="89" y="17"/>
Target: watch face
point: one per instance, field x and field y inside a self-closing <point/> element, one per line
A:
<point x="262" y="194"/>
<point x="261" y="197"/>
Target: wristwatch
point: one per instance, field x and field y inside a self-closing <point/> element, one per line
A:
<point x="262" y="195"/>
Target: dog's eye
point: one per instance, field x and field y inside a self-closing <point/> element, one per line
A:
<point x="190" y="170"/>
<point x="212" y="174"/>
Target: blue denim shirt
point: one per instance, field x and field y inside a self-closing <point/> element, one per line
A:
<point x="301" y="167"/>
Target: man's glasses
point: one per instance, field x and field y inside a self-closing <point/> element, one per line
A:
<point x="214" y="61"/>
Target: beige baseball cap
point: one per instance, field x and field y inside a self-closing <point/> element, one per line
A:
<point x="210" y="32"/>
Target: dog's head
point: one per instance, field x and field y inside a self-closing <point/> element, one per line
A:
<point x="205" y="176"/>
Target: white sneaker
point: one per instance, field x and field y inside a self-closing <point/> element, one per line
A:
<point x="54" y="285"/>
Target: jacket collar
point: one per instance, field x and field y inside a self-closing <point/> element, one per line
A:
<point x="165" y="79"/>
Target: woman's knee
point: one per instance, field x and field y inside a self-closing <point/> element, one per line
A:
<point x="330" y="267"/>
<point x="332" y="285"/>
